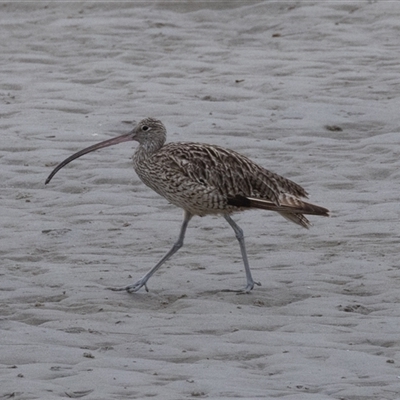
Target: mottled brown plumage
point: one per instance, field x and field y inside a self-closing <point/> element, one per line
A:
<point x="206" y="179"/>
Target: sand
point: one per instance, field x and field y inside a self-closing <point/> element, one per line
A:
<point x="309" y="90"/>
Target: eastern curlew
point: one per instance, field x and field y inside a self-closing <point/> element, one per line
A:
<point x="205" y="179"/>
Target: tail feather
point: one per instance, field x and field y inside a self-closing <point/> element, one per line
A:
<point x="290" y="207"/>
<point x="288" y="204"/>
<point x="298" y="219"/>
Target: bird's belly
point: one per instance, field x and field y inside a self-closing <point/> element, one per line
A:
<point x="197" y="207"/>
<point x="197" y="203"/>
<point x="194" y="199"/>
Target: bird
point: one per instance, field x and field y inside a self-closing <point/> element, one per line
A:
<point x="205" y="179"/>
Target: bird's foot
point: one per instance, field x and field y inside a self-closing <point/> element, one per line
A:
<point x="134" y="287"/>
<point x="246" y="290"/>
<point x="249" y="287"/>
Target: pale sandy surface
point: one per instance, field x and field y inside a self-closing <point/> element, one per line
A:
<point x="263" y="78"/>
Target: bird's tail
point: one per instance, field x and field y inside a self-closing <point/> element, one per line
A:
<point x="290" y="207"/>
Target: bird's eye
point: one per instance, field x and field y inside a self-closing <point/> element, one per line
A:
<point x="145" y="128"/>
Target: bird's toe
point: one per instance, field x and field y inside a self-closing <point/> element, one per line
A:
<point x="136" y="286"/>
<point x="249" y="287"/>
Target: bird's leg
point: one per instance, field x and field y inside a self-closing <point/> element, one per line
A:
<point x="240" y="237"/>
<point x="179" y="243"/>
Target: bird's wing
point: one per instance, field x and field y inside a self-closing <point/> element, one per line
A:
<point x="286" y="185"/>
<point x="225" y="171"/>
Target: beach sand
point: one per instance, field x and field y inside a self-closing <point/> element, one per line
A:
<point x="309" y="90"/>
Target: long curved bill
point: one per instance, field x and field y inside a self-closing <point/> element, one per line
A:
<point x="110" y="142"/>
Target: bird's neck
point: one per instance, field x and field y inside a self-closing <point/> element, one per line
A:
<point x="147" y="149"/>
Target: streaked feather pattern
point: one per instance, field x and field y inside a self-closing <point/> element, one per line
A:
<point x="207" y="179"/>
